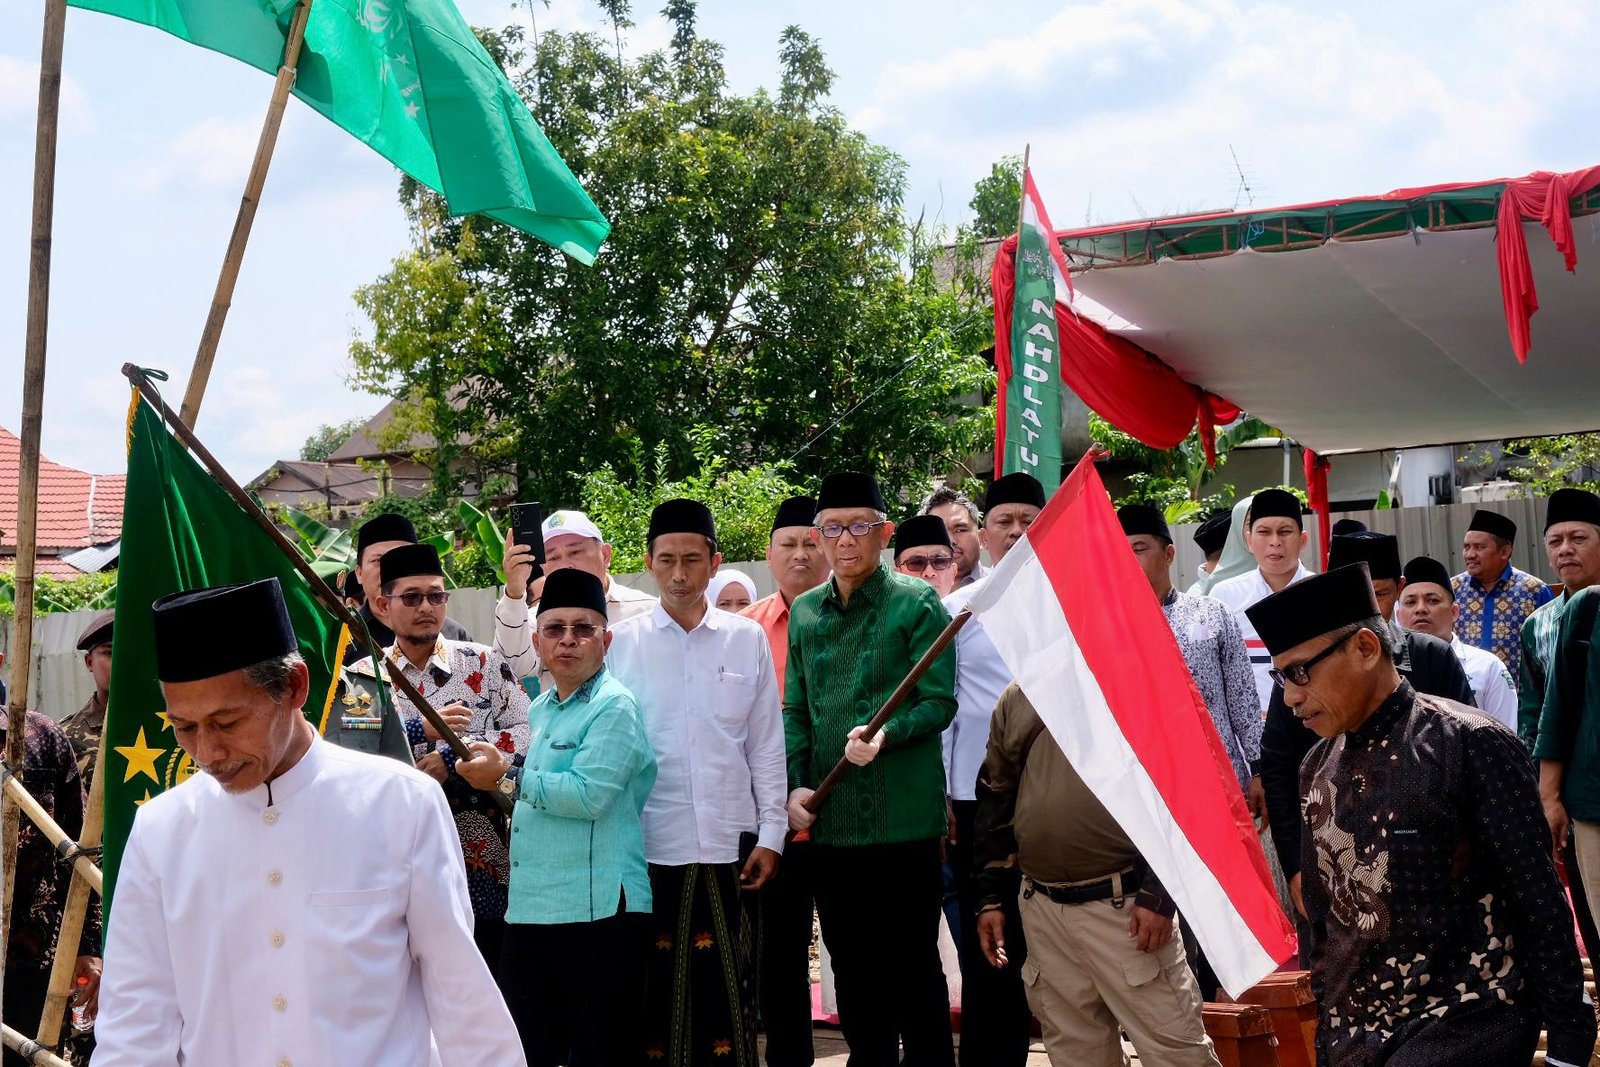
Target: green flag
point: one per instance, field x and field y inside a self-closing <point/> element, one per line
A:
<point x="411" y="80"/>
<point x="1031" y="419"/>
<point x="181" y="530"/>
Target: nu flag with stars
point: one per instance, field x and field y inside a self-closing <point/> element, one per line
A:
<point x="409" y="79"/>
<point x="180" y="531"/>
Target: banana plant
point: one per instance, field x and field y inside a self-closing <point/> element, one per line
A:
<point x="481" y="529"/>
<point x="329" y="551"/>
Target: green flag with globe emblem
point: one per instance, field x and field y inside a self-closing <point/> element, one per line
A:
<point x="410" y="79"/>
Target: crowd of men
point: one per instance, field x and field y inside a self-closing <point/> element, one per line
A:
<point x="626" y="869"/>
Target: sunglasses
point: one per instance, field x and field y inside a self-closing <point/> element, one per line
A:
<point x="413" y="599"/>
<point x="581" y="631"/>
<point x="1300" y="673"/>
<point x="919" y="564"/>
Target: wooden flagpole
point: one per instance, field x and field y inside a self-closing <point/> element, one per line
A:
<point x="30" y="1050"/>
<point x="222" y="299"/>
<point x="64" y="967"/>
<point x="890" y="706"/>
<point x="33" y="363"/>
<point x="331" y="600"/>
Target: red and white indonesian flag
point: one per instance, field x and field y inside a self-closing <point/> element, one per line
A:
<point x="1071" y="613"/>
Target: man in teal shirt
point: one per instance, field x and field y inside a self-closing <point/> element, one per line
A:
<point x="876" y="841"/>
<point x="578" y="919"/>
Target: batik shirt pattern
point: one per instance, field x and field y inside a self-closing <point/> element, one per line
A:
<point x="1493" y="621"/>
<point x="478" y="677"/>
<point x="1429" y="883"/>
<point x="1214" y="649"/>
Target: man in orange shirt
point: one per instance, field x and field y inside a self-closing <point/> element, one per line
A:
<point x="784" y="966"/>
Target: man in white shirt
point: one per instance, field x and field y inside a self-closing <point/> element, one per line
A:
<point x="1428" y="605"/>
<point x="570" y="540"/>
<point x="296" y="903"/>
<point x="960" y="517"/>
<point x="714" y="824"/>
<point x="994" y="1007"/>
<point x="1275" y="536"/>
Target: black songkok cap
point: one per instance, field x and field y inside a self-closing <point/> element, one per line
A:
<point x="1273" y="504"/>
<point x="849" y="489"/>
<point x="1428" y="569"/>
<point x="1379" y="551"/>
<point x="1346" y="527"/>
<point x="796" y="511"/>
<point x="351" y="587"/>
<point x="920" y="530"/>
<point x="98" y="632"/>
<point x="207" y="632"/>
<point x="386" y="527"/>
<point x="682" y="515"/>
<point x="407" y="561"/>
<point x="1212" y="535"/>
<point x="1572" y="505"/>
<point x="1018" y="487"/>
<point x="1494" y="524"/>
<point x="571" y="588"/>
<point x="1143" y="519"/>
<point x="1318" y="605"/>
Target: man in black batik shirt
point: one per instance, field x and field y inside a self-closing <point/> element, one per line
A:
<point x="1440" y="935"/>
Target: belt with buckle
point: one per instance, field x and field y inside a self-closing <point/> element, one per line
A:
<point x="1115" y="888"/>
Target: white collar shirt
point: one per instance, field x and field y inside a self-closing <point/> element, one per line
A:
<point x="1491" y="683"/>
<point x="1243" y="591"/>
<point x="323" y="921"/>
<point x="981" y="676"/>
<point x="709" y="698"/>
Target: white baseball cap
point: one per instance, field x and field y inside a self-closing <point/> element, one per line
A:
<point x="570" y="524"/>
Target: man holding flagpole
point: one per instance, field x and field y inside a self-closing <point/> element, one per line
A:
<point x="876" y="841"/>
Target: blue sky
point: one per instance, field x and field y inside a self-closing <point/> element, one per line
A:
<point x="1130" y="105"/>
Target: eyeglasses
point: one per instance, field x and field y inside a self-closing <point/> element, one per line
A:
<point x="918" y="564"/>
<point x="581" y="631"/>
<point x="1300" y="673"/>
<point x="834" y="530"/>
<point x="438" y="598"/>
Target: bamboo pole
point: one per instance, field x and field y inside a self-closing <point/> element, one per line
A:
<point x="33" y="363"/>
<point x="890" y="706"/>
<point x="331" y="600"/>
<point x="31" y="1050"/>
<point x="222" y="299"/>
<point x="63" y="968"/>
<point x="65" y="846"/>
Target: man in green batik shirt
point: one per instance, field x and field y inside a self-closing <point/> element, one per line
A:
<point x="876" y="840"/>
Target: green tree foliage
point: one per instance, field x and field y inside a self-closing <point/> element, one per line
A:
<point x="1545" y="464"/>
<point x="1177" y="480"/>
<point x="742" y="500"/>
<point x="761" y="296"/>
<point x="326" y="439"/>
<point x="80" y="592"/>
<point x="997" y="199"/>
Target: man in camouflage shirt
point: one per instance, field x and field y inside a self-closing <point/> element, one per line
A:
<point x="83" y="727"/>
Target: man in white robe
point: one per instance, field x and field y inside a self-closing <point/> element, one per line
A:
<point x="296" y="903"/>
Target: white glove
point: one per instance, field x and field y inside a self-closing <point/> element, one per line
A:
<point x="862" y="752"/>
<point x="799" y="817"/>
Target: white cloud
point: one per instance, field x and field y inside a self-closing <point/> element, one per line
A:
<point x="213" y="153"/>
<point x="19" y="97"/>
<point x="1134" y="103"/>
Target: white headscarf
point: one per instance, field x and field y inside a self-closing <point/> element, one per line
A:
<point x="1236" y="558"/>
<point x="725" y="577"/>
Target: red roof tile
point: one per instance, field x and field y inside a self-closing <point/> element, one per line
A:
<point x="76" y="509"/>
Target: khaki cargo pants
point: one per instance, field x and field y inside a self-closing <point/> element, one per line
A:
<point x="1085" y="976"/>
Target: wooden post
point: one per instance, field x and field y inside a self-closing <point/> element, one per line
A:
<point x="319" y="588"/>
<point x="890" y="706"/>
<point x="31" y="1050"/>
<point x="222" y="299"/>
<point x="64" y="965"/>
<point x="33" y="362"/>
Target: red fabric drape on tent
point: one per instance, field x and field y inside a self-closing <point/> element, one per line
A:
<point x="1546" y="197"/>
<point x="1317" y="468"/>
<point x="1121" y="382"/>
